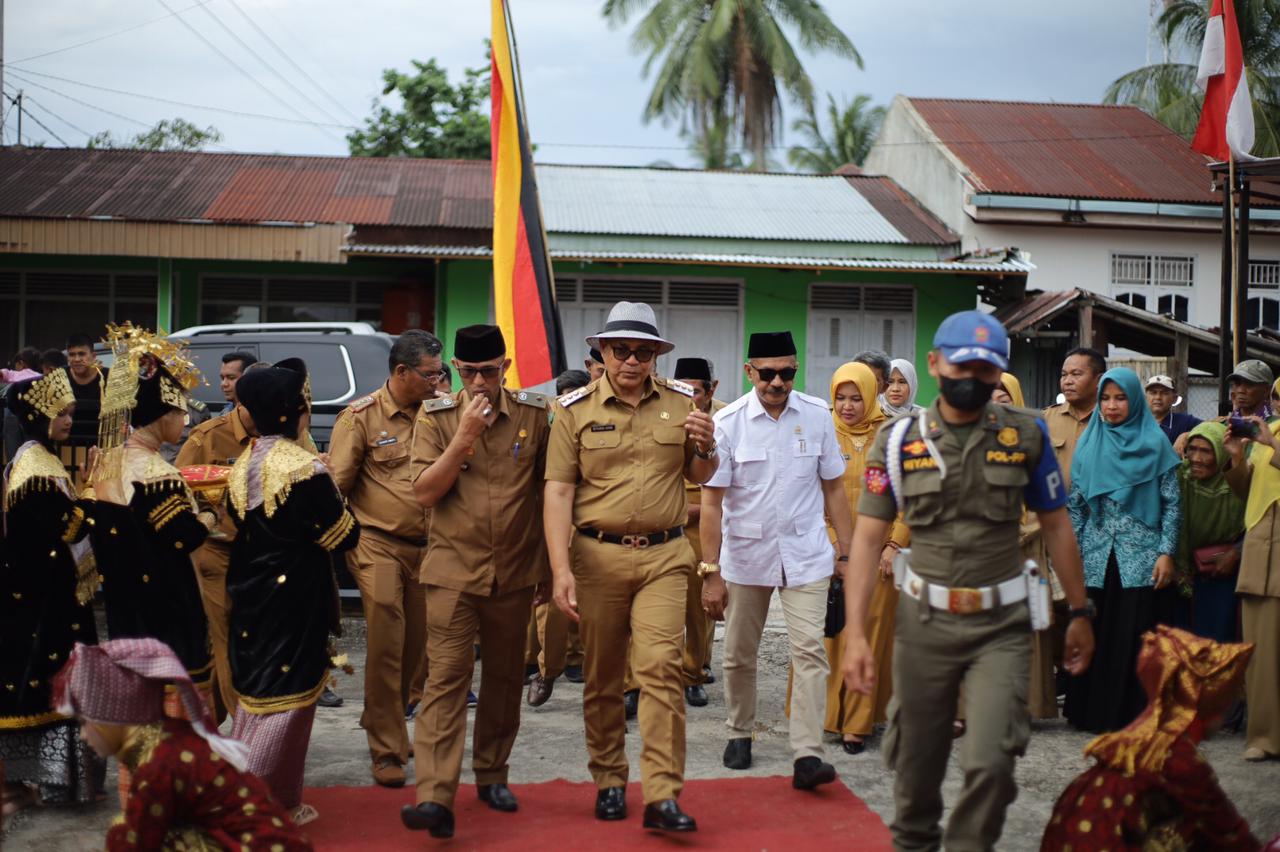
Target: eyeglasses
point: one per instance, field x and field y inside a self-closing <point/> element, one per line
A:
<point x="767" y="374"/>
<point x="437" y="376"/>
<point x="624" y="353"/>
<point x="488" y="372"/>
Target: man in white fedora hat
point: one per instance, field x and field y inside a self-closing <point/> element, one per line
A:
<point x="614" y="514"/>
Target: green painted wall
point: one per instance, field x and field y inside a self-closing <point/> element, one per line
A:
<point x="462" y="299"/>
<point x="937" y="297"/>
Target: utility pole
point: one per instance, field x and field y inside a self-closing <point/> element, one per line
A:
<point x="2" y="111"/>
<point x="18" y="105"/>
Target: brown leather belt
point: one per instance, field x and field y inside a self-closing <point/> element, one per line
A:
<point x="633" y="539"/>
<point x="413" y="542"/>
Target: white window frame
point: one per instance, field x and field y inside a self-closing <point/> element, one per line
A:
<point x="1150" y="283"/>
<point x="1264" y="284"/>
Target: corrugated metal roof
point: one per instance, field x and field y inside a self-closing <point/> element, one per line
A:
<point x="455" y="194"/>
<point x="1008" y="266"/>
<point x="1068" y="150"/>
<point x="733" y="205"/>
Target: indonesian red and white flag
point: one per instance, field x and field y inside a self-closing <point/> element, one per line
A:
<point x="1226" y="120"/>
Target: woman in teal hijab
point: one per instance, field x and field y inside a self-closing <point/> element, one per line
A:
<point x="1213" y="517"/>
<point x="1126" y="508"/>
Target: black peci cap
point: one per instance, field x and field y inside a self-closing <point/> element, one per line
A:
<point x="475" y="343"/>
<point x="771" y="344"/>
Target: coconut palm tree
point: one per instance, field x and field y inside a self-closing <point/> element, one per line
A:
<point x="1168" y="90"/>
<point x="854" y="126"/>
<point x="714" y="58"/>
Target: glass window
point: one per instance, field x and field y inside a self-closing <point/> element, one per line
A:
<point x="138" y="313"/>
<point x="330" y="379"/>
<point x="208" y="359"/>
<point x="8" y="327"/>
<point x="50" y="321"/>
<point x="310" y="313"/>
<point x="212" y="314"/>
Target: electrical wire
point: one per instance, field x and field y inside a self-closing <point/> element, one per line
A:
<point x="108" y="35"/>
<point x="27" y="99"/>
<point x="76" y="100"/>
<point x="287" y="58"/>
<point x="194" y="31"/>
<point x="45" y="127"/>
<point x="184" y="104"/>
<point x="249" y="49"/>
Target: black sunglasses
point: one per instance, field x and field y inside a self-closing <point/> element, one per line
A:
<point x="470" y="372"/>
<point x="767" y="374"/>
<point x="623" y="353"/>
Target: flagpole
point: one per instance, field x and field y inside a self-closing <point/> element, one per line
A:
<point x="1235" y="254"/>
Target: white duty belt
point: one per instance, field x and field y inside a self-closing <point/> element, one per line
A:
<point x="964" y="601"/>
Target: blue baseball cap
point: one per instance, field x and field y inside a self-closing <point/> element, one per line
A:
<point x="973" y="336"/>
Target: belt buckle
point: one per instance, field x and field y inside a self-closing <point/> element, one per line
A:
<point x="964" y="601"/>
<point x="635" y="541"/>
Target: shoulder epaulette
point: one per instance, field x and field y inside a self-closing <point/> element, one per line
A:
<point x="536" y="400"/>
<point x="812" y="400"/>
<point x="442" y="403"/>
<point x="677" y="386"/>
<point x="362" y="403"/>
<point x="574" y="395"/>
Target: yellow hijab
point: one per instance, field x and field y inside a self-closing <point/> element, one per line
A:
<point x="1013" y="387"/>
<point x="1264" y="486"/>
<point x="865" y="380"/>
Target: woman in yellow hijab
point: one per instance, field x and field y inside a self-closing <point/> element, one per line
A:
<point x="1254" y="475"/>
<point x="857" y="416"/>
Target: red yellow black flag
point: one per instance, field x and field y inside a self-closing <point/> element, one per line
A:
<point x="523" y="284"/>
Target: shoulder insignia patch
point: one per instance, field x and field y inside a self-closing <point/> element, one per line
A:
<point x="915" y="449"/>
<point x="679" y="386"/>
<point x="443" y="403"/>
<point x="530" y="398"/>
<point x="877" y="480"/>
<point x="1007" y="437"/>
<point x="363" y="403"/>
<point x="574" y="395"/>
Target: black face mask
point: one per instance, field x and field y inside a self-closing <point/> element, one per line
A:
<point x="966" y="394"/>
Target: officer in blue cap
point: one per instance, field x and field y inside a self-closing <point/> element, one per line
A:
<point x="960" y="472"/>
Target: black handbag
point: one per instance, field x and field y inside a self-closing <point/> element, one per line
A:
<point x="835" y="609"/>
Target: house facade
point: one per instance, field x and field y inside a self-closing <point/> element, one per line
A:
<point x="1101" y="198"/>
<point x="179" y="239"/>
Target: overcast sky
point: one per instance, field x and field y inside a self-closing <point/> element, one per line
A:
<point x="583" y="82"/>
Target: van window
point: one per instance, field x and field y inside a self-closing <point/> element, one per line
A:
<point x="208" y="359"/>
<point x="331" y="380"/>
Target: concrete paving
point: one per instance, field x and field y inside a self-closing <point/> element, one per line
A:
<point x="551" y="745"/>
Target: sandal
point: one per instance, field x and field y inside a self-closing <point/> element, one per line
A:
<point x="303" y="814"/>
<point x="958" y="727"/>
<point x="857" y="746"/>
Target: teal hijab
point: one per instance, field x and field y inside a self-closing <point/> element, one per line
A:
<point x="1124" y="461"/>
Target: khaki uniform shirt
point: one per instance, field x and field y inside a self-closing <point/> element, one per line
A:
<point x="219" y="441"/>
<point x="369" y="458"/>
<point x="627" y="462"/>
<point x="486" y="532"/>
<point x="1064" y="431"/>
<point x="964" y="526"/>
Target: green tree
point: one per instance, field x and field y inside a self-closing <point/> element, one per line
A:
<point x="729" y="58"/>
<point x="435" y="119"/>
<point x="853" y="127"/>
<point x="714" y="148"/>
<point x="1167" y="90"/>
<point x="167" y="135"/>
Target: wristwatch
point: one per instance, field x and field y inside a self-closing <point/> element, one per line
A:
<point x="705" y="454"/>
<point x="705" y="568"/>
<point x="1088" y="611"/>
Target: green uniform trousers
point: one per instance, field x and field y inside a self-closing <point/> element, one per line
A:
<point x="935" y="653"/>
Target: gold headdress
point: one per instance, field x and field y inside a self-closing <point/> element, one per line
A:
<point x="49" y="395"/>
<point x="139" y="355"/>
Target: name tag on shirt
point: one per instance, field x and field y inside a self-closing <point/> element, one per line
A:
<point x="603" y="427"/>
<point x="382" y="442"/>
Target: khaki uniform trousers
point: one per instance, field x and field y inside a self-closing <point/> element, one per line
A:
<point x="386" y="570"/>
<point x="699" y="630"/>
<point x="454" y="620"/>
<point x="989" y="653"/>
<point x="212" y="559"/>
<point x="805" y="610"/>
<point x="1260" y="624"/>
<point x="635" y="594"/>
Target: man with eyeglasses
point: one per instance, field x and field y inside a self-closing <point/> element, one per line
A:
<point x="369" y="459"/>
<point x="477" y="463"/>
<point x="621" y="449"/>
<point x="762" y="518"/>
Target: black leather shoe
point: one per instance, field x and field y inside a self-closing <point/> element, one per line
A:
<point x="810" y="772"/>
<point x="695" y="695"/>
<point x="539" y="690"/>
<point x="737" y="754"/>
<point x="667" y="816"/>
<point x="854" y="746"/>
<point x="707" y="675"/>
<point x="573" y="674"/>
<point x="529" y="672"/>
<point x="428" y="816"/>
<point x="611" y="803"/>
<point x="631" y="702"/>
<point x="498" y="796"/>
<point x="329" y="698"/>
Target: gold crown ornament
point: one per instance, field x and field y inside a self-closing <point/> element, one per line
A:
<point x="49" y="395"/>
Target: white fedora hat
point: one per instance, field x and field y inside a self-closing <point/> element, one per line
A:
<point x="631" y="321"/>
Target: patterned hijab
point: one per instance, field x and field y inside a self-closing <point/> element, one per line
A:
<point x="861" y="376"/>
<point x="1124" y="461"/>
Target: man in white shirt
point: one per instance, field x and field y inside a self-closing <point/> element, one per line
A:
<point x="763" y="529"/>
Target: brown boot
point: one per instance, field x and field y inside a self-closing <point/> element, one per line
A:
<point x="387" y="772"/>
<point x="539" y="690"/>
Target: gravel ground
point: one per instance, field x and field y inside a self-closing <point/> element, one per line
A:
<point x="551" y="746"/>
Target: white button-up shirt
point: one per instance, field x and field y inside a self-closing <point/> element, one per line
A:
<point x="774" y="532"/>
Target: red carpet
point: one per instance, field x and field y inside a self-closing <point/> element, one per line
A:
<point x="732" y="813"/>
